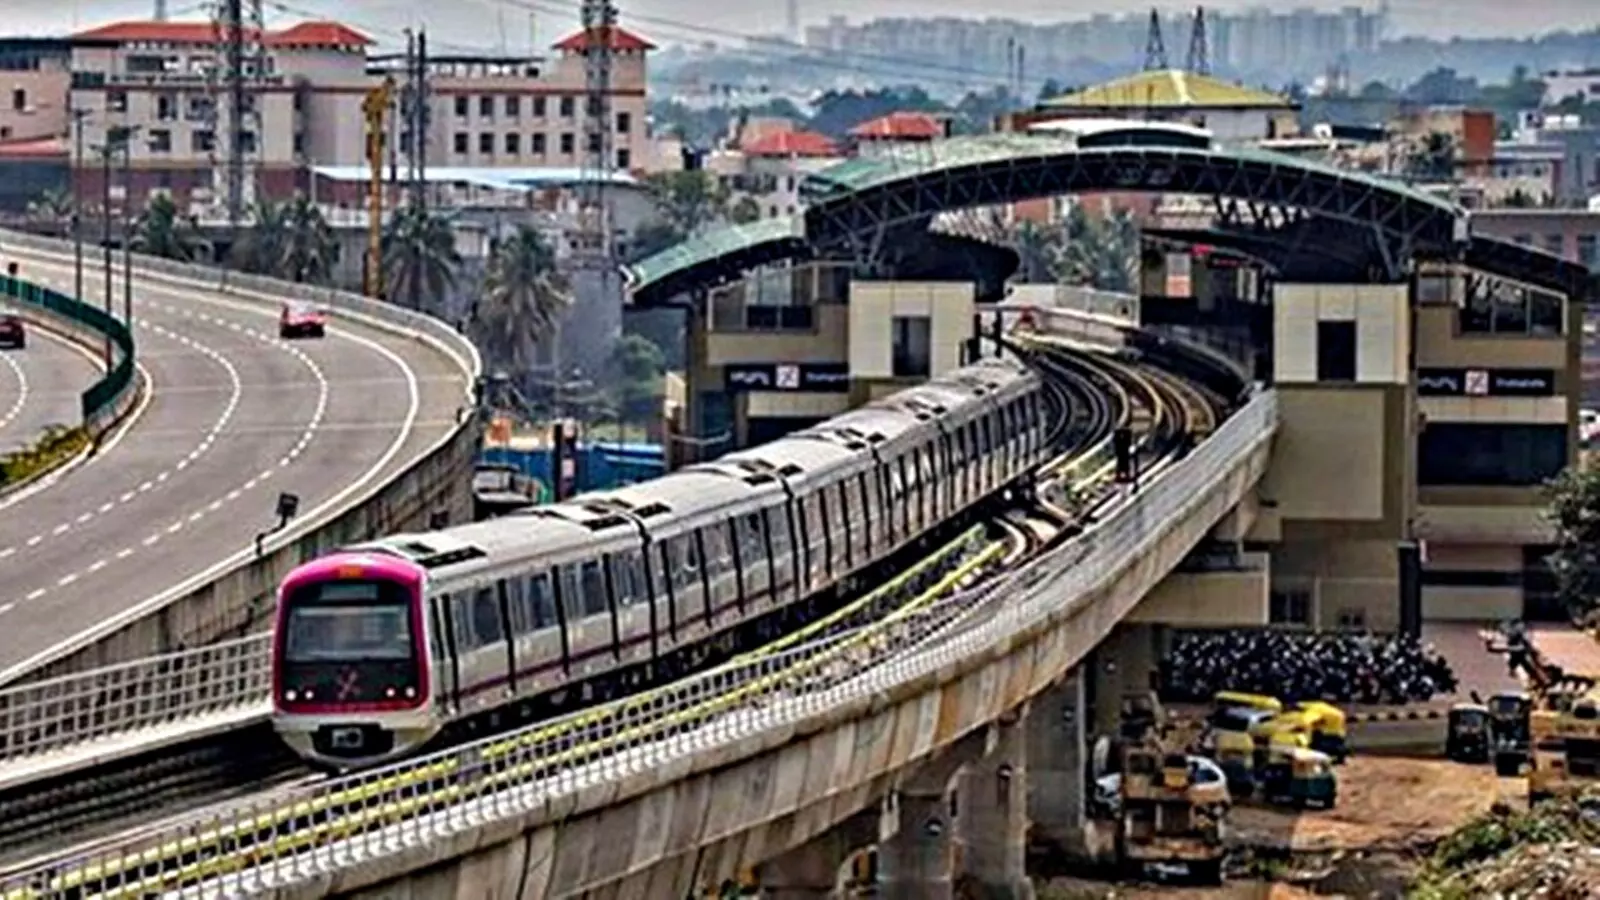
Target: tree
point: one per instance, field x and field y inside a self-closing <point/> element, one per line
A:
<point x="52" y="210"/>
<point x="745" y="210"/>
<point x="261" y="251"/>
<point x="523" y="300"/>
<point x="1574" y="498"/>
<point x="1103" y="253"/>
<point x="1038" y="248"/>
<point x="420" y="260"/>
<point x="160" y="231"/>
<point x="1434" y="157"/>
<point x="637" y="365"/>
<point x="309" y="246"/>
<point x="688" y="201"/>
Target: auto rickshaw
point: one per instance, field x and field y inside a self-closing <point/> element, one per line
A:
<point x="1508" y="731"/>
<point x="1235" y="753"/>
<point x="1329" y="734"/>
<point x="1467" y="735"/>
<point x="1240" y="700"/>
<point x="1277" y="734"/>
<point x="1300" y="776"/>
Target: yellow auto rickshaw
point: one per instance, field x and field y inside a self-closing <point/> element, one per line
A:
<point x="1302" y="777"/>
<point x="1329" y="733"/>
<point x="1239" y="699"/>
<point x="1277" y="734"/>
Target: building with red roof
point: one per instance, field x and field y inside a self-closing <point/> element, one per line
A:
<point x="902" y="127"/>
<point x="305" y="110"/>
<point x="766" y="158"/>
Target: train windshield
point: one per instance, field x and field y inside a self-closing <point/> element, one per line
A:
<point x="348" y="620"/>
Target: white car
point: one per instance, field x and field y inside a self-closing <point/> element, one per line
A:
<point x="1108" y="788"/>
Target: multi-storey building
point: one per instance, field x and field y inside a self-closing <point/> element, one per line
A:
<point x="307" y="90"/>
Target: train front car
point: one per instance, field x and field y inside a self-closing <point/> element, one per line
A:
<point x="350" y="680"/>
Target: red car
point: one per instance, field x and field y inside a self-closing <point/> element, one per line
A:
<point x="11" y="332"/>
<point x="301" y="320"/>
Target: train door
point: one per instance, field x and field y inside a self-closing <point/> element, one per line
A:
<point x="446" y="669"/>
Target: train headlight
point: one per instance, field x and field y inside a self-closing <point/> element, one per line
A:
<point x="289" y="696"/>
<point x="388" y="692"/>
<point x="411" y="693"/>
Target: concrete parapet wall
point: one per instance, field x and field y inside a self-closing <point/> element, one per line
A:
<point x="700" y="818"/>
<point x="236" y="597"/>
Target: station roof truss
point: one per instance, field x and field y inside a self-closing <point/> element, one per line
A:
<point x="853" y="209"/>
<point x="852" y="203"/>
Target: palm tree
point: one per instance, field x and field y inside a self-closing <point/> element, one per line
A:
<point x="160" y="231"/>
<point x="420" y="260"/>
<point x="52" y="210"/>
<point x="309" y="247"/>
<point x="1102" y="254"/>
<point x="1038" y="248"/>
<point x="688" y="201"/>
<point x="523" y="301"/>
<point x="261" y="251"/>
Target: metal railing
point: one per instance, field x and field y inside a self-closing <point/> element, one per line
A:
<point x="104" y="395"/>
<point x="146" y="693"/>
<point x="300" y="834"/>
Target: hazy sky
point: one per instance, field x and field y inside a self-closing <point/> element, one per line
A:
<point x="478" y="22"/>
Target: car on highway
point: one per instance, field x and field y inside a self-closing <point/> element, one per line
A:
<point x="12" y="333"/>
<point x="301" y="320"/>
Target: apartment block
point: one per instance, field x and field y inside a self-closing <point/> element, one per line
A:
<point x="306" y="86"/>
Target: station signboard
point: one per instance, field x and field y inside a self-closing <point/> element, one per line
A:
<point x="816" y="378"/>
<point x="1486" y="382"/>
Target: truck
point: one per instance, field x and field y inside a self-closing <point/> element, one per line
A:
<point x="1564" y="743"/>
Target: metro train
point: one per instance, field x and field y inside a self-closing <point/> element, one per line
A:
<point x="383" y="647"/>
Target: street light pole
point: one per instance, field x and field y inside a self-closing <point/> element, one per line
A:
<point x="105" y="229"/>
<point x="78" y="115"/>
<point x="127" y="236"/>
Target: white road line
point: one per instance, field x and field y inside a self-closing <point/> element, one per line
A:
<point x="22" y="390"/>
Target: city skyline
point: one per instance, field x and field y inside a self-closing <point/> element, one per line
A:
<point x="509" y="22"/>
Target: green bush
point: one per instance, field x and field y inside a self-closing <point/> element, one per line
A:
<point x="1496" y="836"/>
<point x="55" y="446"/>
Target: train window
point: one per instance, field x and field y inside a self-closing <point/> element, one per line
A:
<point x="755" y="542"/>
<point x="486" y="618"/>
<point x="777" y="527"/>
<point x="624" y="581"/>
<point x="571" y="592"/>
<point x="594" y="589"/>
<point x="461" y="615"/>
<point x="541" y="601"/>
<point x="516" y="606"/>
<point x="687" y="556"/>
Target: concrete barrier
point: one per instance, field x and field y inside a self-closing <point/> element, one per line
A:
<point x="235" y="597"/>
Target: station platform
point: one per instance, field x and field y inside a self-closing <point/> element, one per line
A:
<point x="21" y="770"/>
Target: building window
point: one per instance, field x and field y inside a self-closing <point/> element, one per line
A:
<point x="461" y="143"/>
<point x="538" y="107"/>
<point x="566" y="144"/>
<point x="1496" y="306"/>
<point x="1589" y="250"/>
<point x="1289" y="606"/>
<point x="1336" y="351"/>
<point x="1433" y="289"/>
<point x="160" y="140"/>
<point x="538" y="143"/>
<point x="117" y="101"/>
<point x="486" y="143"/>
<point x="513" y="144"/>
<point x="592" y="141"/>
<point x="514" y="107"/>
<point x="486" y="107"/>
<point x="624" y="122"/>
<point x="166" y="107"/>
<point x="1525" y="240"/>
<point x="201" y="142"/>
<point x="247" y="142"/>
<point x="566" y="107"/>
<point x="19" y="99"/>
<point x="1554" y="243"/>
<point x="299" y="143"/>
<point x="911" y="350"/>
<point x="1462" y="453"/>
<point x="624" y="158"/>
<point x="461" y="107"/>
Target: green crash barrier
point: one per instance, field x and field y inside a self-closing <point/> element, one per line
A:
<point x="102" y="396"/>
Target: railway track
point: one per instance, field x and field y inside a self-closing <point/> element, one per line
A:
<point x="912" y="609"/>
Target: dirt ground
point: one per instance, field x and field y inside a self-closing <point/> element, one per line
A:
<point x="1389" y="810"/>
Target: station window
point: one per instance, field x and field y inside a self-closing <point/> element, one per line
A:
<point x="1496" y="306"/>
<point x="911" y="351"/>
<point x="1589" y="250"/>
<point x="1336" y="351"/>
<point x="1460" y="453"/>
<point x="1289" y="606"/>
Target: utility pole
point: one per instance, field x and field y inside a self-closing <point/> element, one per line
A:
<point x="78" y="115"/>
<point x="424" y="112"/>
<point x="598" y="251"/>
<point x="127" y="235"/>
<point x="237" y="29"/>
<point x="374" y="108"/>
<point x="1155" y="49"/>
<point x="106" y="152"/>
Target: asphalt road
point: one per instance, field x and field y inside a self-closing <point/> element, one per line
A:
<point x="40" y="385"/>
<point x="234" y="417"/>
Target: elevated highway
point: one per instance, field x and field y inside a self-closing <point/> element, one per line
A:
<point x="41" y="385"/>
<point x="232" y="415"/>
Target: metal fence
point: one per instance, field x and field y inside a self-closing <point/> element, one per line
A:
<point x="104" y="394"/>
<point x="147" y="693"/>
<point x="275" y="841"/>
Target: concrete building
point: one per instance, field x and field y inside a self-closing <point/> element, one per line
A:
<point x="158" y="77"/>
<point x="1560" y="148"/>
<point x="767" y="160"/>
<point x="1232" y="113"/>
<point x="1561" y="84"/>
<point x="1570" y="233"/>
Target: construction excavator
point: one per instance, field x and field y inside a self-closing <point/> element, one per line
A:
<point x="1553" y="727"/>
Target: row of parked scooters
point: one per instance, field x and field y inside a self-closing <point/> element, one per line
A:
<point x="1283" y="755"/>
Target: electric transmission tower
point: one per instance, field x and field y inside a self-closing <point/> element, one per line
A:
<point x="599" y="159"/>
<point x="233" y="112"/>
<point x="1199" y="52"/>
<point x="1155" y="49"/>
